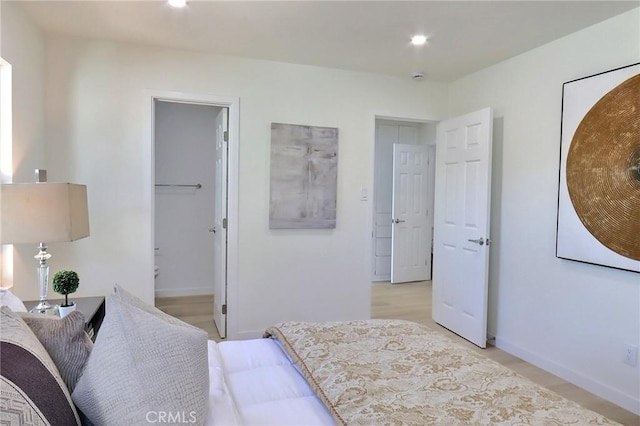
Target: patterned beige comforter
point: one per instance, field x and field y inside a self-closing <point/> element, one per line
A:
<point x="390" y="372"/>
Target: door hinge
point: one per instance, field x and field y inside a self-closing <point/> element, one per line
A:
<point x="225" y="136"/>
<point x="224" y="309"/>
<point x="224" y="223"/>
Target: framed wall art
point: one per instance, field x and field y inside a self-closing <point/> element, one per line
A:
<point x="304" y="176"/>
<point x="599" y="190"/>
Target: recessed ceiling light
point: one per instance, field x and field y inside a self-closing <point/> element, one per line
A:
<point x="418" y="40"/>
<point x="177" y="3"/>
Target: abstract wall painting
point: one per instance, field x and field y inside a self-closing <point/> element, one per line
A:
<point x="599" y="191"/>
<point x="304" y="177"/>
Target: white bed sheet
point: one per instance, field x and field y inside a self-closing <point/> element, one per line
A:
<point x="253" y="382"/>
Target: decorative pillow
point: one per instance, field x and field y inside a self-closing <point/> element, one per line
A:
<point x="144" y="365"/>
<point x="31" y="389"/>
<point x="129" y="299"/>
<point x="11" y="300"/>
<point x="65" y="340"/>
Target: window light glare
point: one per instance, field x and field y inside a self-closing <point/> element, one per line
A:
<point x="418" y="40"/>
<point x="177" y="3"/>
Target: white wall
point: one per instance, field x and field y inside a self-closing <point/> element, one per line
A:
<point x="185" y="142"/>
<point x="23" y="47"/>
<point x="568" y="317"/>
<point x="95" y="116"/>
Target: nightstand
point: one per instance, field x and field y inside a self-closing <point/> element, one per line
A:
<point x="93" y="309"/>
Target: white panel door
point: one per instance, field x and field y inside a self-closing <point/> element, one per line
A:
<point x="220" y="226"/>
<point x="409" y="213"/>
<point x="461" y="225"/>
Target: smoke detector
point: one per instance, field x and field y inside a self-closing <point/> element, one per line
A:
<point x="418" y="75"/>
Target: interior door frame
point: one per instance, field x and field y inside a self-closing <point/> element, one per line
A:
<point x="372" y="206"/>
<point x="233" y="105"/>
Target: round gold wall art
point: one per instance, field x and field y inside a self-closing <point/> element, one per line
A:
<point x="603" y="169"/>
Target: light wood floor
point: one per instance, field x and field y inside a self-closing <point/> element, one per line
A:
<point x="412" y="302"/>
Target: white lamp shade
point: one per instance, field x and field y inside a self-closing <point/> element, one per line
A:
<point x="44" y="212"/>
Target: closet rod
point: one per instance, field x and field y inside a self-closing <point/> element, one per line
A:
<point x="196" y="186"/>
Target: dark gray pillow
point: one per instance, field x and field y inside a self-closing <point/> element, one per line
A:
<point x="32" y="390"/>
<point x="65" y="340"/>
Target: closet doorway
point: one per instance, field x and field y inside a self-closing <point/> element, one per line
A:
<point x="194" y="199"/>
<point x="185" y="195"/>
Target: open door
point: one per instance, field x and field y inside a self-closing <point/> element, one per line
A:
<point x="409" y="217"/>
<point x="220" y="225"/>
<point x="461" y="225"/>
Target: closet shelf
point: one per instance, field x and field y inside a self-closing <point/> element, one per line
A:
<point x="170" y="185"/>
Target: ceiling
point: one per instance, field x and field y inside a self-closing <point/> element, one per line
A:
<point x="464" y="36"/>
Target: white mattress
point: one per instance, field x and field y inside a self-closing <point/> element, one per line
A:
<point x="253" y="382"/>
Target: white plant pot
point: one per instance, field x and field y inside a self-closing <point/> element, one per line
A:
<point x="66" y="310"/>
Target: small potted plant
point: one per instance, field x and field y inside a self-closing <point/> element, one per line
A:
<point x="65" y="283"/>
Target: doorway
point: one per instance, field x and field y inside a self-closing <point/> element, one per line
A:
<point x="185" y="196"/>
<point x="185" y="187"/>
<point x="460" y="221"/>
<point x="387" y="252"/>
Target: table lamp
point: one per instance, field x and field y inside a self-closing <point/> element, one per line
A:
<point x="43" y="211"/>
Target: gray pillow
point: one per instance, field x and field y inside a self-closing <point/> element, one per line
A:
<point x="31" y="387"/>
<point x="144" y="364"/>
<point x="65" y="340"/>
<point x="129" y="299"/>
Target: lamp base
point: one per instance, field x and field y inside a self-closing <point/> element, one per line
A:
<point x="43" y="282"/>
<point x="44" y="308"/>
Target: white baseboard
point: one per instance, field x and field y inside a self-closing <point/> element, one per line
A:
<point x="381" y="278"/>
<point x="178" y="292"/>
<point x="628" y="402"/>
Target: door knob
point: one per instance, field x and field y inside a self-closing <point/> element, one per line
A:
<point x="478" y="241"/>
<point x="212" y="229"/>
<point x="397" y="221"/>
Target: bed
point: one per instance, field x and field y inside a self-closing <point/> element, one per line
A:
<point x="149" y="368"/>
<point x="374" y="372"/>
